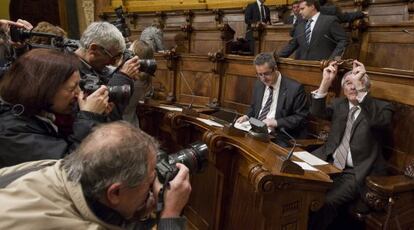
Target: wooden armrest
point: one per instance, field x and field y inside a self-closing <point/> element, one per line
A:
<point x="389" y="185"/>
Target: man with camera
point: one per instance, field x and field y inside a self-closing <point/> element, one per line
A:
<point x="103" y="45"/>
<point x="108" y="182"/>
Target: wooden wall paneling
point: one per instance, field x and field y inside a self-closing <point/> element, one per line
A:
<point x="387" y="46"/>
<point x="235" y="19"/>
<point x="389" y="13"/>
<point x="238" y="82"/>
<point x="206" y="36"/>
<point x="203" y="85"/>
<point x="275" y="37"/>
<point x="164" y="80"/>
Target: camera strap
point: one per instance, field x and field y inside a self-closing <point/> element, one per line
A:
<point x="161" y="195"/>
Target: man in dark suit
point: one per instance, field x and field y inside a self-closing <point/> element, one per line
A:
<point x="255" y="13"/>
<point x="317" y="37"/>
<point x="295" y="15"/>
<point x="278" y="101"/>
<point x="358" y="126"/>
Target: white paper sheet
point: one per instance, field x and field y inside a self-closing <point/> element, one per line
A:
<point x="171" y="108"/>
<point x="309" y="158"/>
<point x="209" y="122"/>
<point x="245" y="126"/>
<point x="305" y="166"/>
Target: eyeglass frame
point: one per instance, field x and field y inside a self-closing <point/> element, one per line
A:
<point x="116" y="57"/>
<point x="267" y="74"/>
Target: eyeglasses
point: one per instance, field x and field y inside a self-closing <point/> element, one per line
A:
<point x="266" y="74"/>
<point x="116" y="57"/>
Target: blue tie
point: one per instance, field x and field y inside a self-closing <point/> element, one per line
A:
<point x="308" y="31"/>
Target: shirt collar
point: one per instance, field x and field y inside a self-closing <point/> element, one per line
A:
<point x="259" y="3"/>
<point x="277" y="82"/>
<point x="315" y="17"/>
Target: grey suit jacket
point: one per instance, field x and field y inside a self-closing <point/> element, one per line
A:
<point x="292" y="106"/>
<point x="367" y="134"/>
<point x="327" y="41"/>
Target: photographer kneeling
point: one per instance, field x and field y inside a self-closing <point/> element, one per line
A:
<point x="107" y="183"/>
<point x="40" y="84"/>
<point x="103" y="45"/>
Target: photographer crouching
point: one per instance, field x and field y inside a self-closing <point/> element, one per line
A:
<point x="109" y="182"/>
<point x="39" y="85"/>
<point x="101" y="46"/>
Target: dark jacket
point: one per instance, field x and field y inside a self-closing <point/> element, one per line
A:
<point x="328" y="9"/>
<point x="328" y="40"/>
<point x="28" y="138"/>
<point x="252" y="14"/>
<point x="292" y="106"/>
<point x="108" y="79"/>
<point x="367" y="133"/>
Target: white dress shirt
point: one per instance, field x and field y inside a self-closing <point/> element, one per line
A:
<point x="314" y="19"/>
<point x="276" y="86"/>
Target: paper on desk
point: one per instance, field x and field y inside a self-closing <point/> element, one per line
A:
<point x="245" y="126"/>
<point x="209" y="122"/>
<point x="170" y="108"/>
<point x="309" y="158"/>
<point x="305" y="166"/>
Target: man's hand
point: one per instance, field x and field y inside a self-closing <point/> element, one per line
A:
<point x="328" y="76"/>
<point x="177" y="196"/>
<point x="358" y="72"/>
<point x="5" y="24"/>
<point x="270" y="122"/>
<point x="131" y="68"/>
<point x="242" y="119"/>
<point x="97" y="102"/>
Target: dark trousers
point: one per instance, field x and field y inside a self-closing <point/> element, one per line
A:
<point x="344" y="191"/>
<point x="250" y="39"/>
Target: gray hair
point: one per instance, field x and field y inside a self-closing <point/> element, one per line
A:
<point x="104" y="34"/>
<point x="113" y="153"/>
<point x="264" y="58"/>
<point x="365" y="79"/>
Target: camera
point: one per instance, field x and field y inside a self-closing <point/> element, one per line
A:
<point x="148" y="66"/>
<point x="117" y="94"/>
<point x="120" y="23"/>
<point x="194" y="157"/>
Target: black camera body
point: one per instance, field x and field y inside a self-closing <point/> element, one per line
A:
<point x="148" y="66"/>
<point x="117" y="94"/>
<point x="194" y="157"/>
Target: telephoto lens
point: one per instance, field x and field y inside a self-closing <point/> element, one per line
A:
<point x="194" y="157"/>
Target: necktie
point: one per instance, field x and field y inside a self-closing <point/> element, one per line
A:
<point x="308" y="31"/>
<point x="341" y="152"/>
<point x="266" y="107"/>
<point x="263" y="13"/>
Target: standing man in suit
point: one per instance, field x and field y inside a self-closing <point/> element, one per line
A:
<point x="317" y="37"/>
<point x="256" y="13"/>
<point x="278" y="101"/>
<point x="295" y="15"/>
<point x="358" y="125"/>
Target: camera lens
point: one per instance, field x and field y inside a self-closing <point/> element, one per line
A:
<point x="119" y="93"/>
<point x="148" y="66"/>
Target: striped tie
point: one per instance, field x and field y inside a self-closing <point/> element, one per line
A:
<point x="341" y="152"/>
<point x="308" y="31"/>
<point x="266" y="107"/>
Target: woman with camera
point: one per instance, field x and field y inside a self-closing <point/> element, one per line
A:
<point x="38" y="85"/>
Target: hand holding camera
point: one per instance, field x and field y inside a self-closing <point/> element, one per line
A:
<point x="131" y="68"/>
<point x="176" y="197"/>
<point x="97" y="102"/>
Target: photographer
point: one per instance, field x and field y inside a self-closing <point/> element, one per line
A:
<point x="103" y="45"/>
<point x="38" y="85"/>
<point x="106" y="184"/>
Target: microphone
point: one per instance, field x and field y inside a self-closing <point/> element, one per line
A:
<point x="189" y="110"/>
<point x="407" y="32"/>
<point x="292" y="139"/>
<point x="285" y="165"/>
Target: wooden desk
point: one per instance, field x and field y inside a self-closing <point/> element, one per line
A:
<point x="240" y="187"/>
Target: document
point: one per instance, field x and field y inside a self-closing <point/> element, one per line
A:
<point x="209" y="122"/>
<point x="171" y="108"/>
<point x="245" y="126"/>
<point x="305" y="166"/>
<point x="309" y="158"/>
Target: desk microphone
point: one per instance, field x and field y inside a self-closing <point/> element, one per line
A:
<point x="407" y="32"/>
<point x="294" y="143"/>
<point x="189" y="110"/>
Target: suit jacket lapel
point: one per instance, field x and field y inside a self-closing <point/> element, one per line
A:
<point x="316" y="30"/>
<point x="281" y="98"/>
<point x="343" y="116"/>
<point x="356" y="123"/>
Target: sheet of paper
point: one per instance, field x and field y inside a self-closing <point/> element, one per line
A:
<point x="209" y="122"/>
<point x="245" y="126"/>
<point x="171" y="108"/>
<point x="305" y="166"/>
<point x="309" y="158"/>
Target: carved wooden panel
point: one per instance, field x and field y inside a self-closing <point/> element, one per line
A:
<point x="275" y="38"/>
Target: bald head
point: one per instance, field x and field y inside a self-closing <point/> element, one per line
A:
<point x="112" y="153"/>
